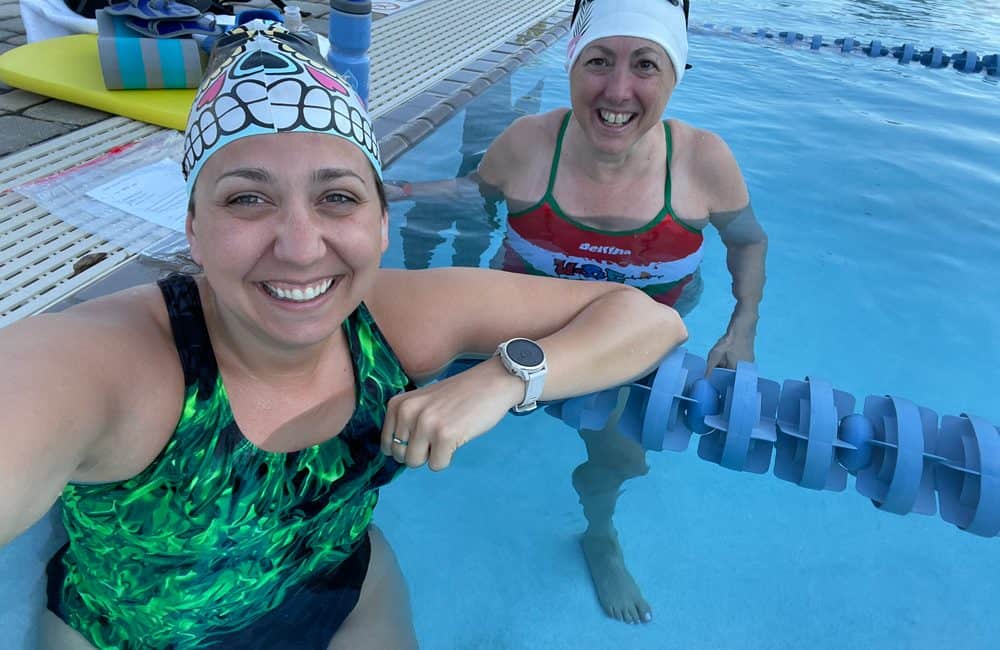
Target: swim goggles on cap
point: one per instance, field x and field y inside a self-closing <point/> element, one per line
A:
<point x="582" y="4"/>
<point x="686" y="6"/>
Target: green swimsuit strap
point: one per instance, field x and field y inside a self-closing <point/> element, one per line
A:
<point x="670" y="155"/>
<point x="558" y="152"/>
<point x="555" y="157"/>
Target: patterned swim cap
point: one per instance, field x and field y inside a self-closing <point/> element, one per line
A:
<point x="264" y="79"/>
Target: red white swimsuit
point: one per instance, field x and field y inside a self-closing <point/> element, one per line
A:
<point x="660" y="257"/>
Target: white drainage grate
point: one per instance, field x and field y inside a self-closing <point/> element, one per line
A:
<point x="44" y="260"/>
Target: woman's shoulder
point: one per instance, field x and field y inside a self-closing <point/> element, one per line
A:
<point x="549" y="122"/>
<point x="705" y="159"/>
<point x="697" y="144"/>
<point x="524" y="149"/>
<point x="104" y="370"/>
<point x="140" y="310"/>
<point x="132" y="323"/>
<point x="526" y="133"/>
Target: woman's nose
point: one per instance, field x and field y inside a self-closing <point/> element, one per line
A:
<point x="619" y="86"/>
<point x="299" y="239"/>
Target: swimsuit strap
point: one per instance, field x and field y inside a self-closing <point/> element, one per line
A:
<point x="555" y="158"/>
<point x="549" y="191"/>
<point x="670" y="155"/>
<point x="187" y="322"/>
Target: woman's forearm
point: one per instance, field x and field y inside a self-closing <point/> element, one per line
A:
<point x="463" y="188"/>
<point x="618" y="337"/>
<point x="746" y="265"/>
<point x="746" y="250"/>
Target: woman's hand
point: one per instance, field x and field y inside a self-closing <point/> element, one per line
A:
<point x="397" y="190"/>
<point x="429" y="424"/>
<point x="734" y="346"/>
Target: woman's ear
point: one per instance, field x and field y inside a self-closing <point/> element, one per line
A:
<point x="192" y="237"/>
<point x="385" y="230"/>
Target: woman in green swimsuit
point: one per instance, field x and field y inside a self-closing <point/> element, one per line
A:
<point x="218" y="440"/>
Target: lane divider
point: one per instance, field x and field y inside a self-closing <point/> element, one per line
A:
<point x="967" y="61"/>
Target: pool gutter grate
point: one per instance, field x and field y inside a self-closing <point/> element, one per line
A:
<point x="44" y="261"/>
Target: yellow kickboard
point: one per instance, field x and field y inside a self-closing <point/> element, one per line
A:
<point x="68" y="68"/>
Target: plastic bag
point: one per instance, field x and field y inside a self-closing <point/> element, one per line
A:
<point x="65" y="195"/>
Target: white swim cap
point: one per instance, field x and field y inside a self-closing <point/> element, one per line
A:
<point x="660" y="21"/>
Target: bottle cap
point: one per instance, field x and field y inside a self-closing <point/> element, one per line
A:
<point x="359" y="7"/>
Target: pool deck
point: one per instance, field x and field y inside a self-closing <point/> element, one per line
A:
<point x="33" y="127"/>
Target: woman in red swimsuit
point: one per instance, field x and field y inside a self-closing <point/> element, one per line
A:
<point x="606" y="190"/>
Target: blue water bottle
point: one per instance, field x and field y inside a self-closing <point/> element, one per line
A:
<point x="350" y="37"/>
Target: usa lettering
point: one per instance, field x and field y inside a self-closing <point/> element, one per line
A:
<point x="567" y="269"/>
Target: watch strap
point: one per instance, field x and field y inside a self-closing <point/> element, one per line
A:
<point x="534" y="383"/>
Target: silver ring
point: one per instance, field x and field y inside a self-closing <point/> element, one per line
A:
<point x="400" y="441"/>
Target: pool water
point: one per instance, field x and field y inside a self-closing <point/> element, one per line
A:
<point x="878" y="187"/>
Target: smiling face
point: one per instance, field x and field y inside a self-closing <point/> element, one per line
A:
<point x="289" y="230"/>
<point x="619" y="87"/>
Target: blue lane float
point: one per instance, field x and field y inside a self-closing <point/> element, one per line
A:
<point x="991" y="64"/>
<point x="903" y="458"/>
<point x="966" y="61"/>
<point x="905" y="53"/>
<point x="875" y="49"/>
<point x="935" y="58"/>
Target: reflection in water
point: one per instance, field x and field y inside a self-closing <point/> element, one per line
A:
<point x="426" y="223"/>
<point x="923" y="18"/>
<point x="914" y="10"/>
<point x="951" y="24"/>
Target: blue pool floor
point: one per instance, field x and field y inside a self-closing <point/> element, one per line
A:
<point x="726" y="559"/>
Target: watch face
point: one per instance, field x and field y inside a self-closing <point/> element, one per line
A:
<point x="525" y="353"/>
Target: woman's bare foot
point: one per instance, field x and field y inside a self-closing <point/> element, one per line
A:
<point x="616" y="588"/>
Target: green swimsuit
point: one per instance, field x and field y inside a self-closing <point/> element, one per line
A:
<point x="221" y="544"/>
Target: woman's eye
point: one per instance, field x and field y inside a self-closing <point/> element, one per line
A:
<point x="246" y="200"/>
<point x="598" y="61"/>
<point x="338" y="198"/>
<point x="648" y="66"/>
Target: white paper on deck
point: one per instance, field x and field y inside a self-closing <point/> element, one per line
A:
<point x="156" y="193"/>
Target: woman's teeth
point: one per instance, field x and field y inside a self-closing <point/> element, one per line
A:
<point x="299" y="295"/>
<point x="615" y="119"/>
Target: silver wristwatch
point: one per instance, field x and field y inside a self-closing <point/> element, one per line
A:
<point x="525" y="359"/>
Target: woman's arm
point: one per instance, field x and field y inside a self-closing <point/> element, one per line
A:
<point x="501" y="160"/>
<point x="53" y="404"/>
<point x="720" y="178"/>
<point x="69" y="379"/>
<point x="594" y="335"/>
<point x="461" y="189"/>
<point x="746" y="251"/>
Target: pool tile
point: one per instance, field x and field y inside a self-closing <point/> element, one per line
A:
<point x="392" y="148"/>
<point x="446" y="88"/>
<point x="464" y="76"/>
<point x="439" y="114"/>
<point x="416" y="131"/>
<point x="481" y="65"/>
<point x="459" y="99"/>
